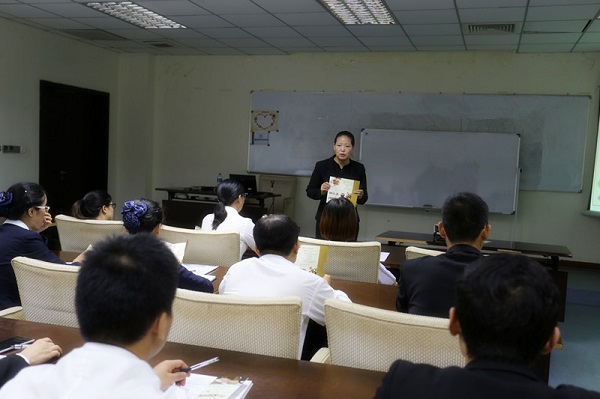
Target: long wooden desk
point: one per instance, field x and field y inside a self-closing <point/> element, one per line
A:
<point x="553" y="252"/>
<point x="273" y="377"/>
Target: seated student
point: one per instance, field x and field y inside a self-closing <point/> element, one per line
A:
<point x="123" y="300"/>
<point x="38" y="352"/>
<point x="426" y="284"/>
<point x="96" y="205"/>
<point x="275" y="274"/>
<point x="339" y="222"/>
<point x="226" y="217"/>
<point x="25" y="206"/>
<point x="506" y="314"/>
<point x="146" y="216"/>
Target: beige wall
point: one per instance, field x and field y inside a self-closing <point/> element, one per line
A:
<point x="27" y="56"/>
<point x="181" y="120"/>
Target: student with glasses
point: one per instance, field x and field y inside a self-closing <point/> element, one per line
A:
<point x="25" y="207"/>
<point x="96" y="205"/>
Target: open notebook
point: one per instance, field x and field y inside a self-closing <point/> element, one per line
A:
<point x="200" y="386"/>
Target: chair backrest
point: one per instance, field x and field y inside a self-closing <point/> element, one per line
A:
<point x="76" y="235"/>
<point x="417" y="252"/>
<point x="47" y="291"/>
<point x="371" y="338"/>
<point x="218" y="248"/>
<point x="264" y="326"/>
<point x="356" y="261"/>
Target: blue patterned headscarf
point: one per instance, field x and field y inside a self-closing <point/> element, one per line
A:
<point x="132" y="213"/>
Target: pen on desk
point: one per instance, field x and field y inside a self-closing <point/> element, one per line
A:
<point x="199" y="365"/>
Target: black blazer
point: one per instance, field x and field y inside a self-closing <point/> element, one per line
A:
<point x="10" y="366"/>
<point x="480" y="379"/>
<point x="426" y="285"/>
<point x="17" y="241"/>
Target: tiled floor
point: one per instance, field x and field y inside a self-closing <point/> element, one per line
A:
<point x="578" y="363"/>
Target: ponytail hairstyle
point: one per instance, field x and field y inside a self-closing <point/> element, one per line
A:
<point x="91" y="204"/>
<point x="141" y="215"/>
<point x="19" y="197"/>
<point x="227" y="192"/>
<point x="339" y="220"/>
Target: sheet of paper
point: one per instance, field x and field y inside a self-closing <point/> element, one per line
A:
<point x="199" y="386"/>
<point x="308" y="257"/>
<point x="383" y="256"/>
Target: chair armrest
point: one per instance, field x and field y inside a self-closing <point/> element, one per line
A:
<point x="322" y="356"/>
<point x="16" y="312"/>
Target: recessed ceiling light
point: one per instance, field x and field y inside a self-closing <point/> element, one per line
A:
<point x="360" y="12"/>
<point x="135" y="14"/>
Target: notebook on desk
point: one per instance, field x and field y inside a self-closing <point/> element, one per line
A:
<point x="249" y="183"/>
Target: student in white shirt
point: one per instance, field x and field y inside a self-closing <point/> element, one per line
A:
<point x="226" y="217"/>
<point x="123" y="300"/>
<point x="274" y="273"/>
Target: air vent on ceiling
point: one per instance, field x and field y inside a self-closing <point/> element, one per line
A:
<point x="158" y="44"/>
<point x="92" y="34"/>
<point x="487" y="29"/>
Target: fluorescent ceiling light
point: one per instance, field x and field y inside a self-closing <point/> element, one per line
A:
<point x="360" y="12"/>
<point x="135" y="14"/>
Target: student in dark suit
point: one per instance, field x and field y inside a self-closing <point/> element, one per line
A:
<point x="505" y="316"/>
<point x="38" y="352"/>
<point x="426" y="285"/>
<point x="339" y="165"/>
<point x="145" y="216"/>
<point x="25" y="207"/>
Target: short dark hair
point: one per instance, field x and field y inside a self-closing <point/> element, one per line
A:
<point x="339" y="220"/>
<point x="507" y="306"/>
<point x="227" y="192"/>
<point x="19" y="198"/>
<point x="464" y="216"/>
<point x="90" y="205"/>
<point x="344" y="133"/>
<point x="142" y="215"/>
<point x="124" y="284"/>
<point x="276" y="234"/>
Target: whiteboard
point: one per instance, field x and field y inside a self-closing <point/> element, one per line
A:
<point x="419" y="169"/>
<point x="552" y="128"/>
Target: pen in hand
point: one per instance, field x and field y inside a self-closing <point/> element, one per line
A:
<point x="199" y="365"/>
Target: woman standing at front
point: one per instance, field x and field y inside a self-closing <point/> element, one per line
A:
<point x="339" y="165"/>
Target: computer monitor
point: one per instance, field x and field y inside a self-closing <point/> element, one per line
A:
<point x="248" y="181"/>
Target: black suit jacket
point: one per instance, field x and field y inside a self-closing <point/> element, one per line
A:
<point x="17" y="241"/>
<point x="426" y="285"/>
<point x="479" y="379"/>
<point x="10" y="366"/>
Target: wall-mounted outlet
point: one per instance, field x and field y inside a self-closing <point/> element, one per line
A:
<point x="12" y="149"/>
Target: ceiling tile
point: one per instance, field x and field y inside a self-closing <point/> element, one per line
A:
<point x="172" y="7"/>
<point x="277" y="32"/>
<point x="376" y="30"/>
<point x="289" y="42"/>
<point x="575" y="26"/>
<point x="220" y="33"/>
<point x="549" y="38"/>
<point x="24" y="11"/>
<point x="60" y="23"/>
<point x="203" y="21"/>
<point x="244" y="42"/>
<point x="225" y="7"/>
<point x="308" y="19"/>
<point x="432" y="30"/>
<point x="437" y="40"/>
<point x="384" y="41"/>
<point x="492" y="39"/>
<point x="560" y="13"/>
<point x="285" y="6"/>
<point x="335" y="41"/>
<point x="323" y="31"/>
<point x="253" y="20"/>
<point x="427" y="17"/>
<point x="490" y="3"/>
<point x="491" y="15"/>
<point x="420" y="4"/>
<point x="69" y="10"/>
